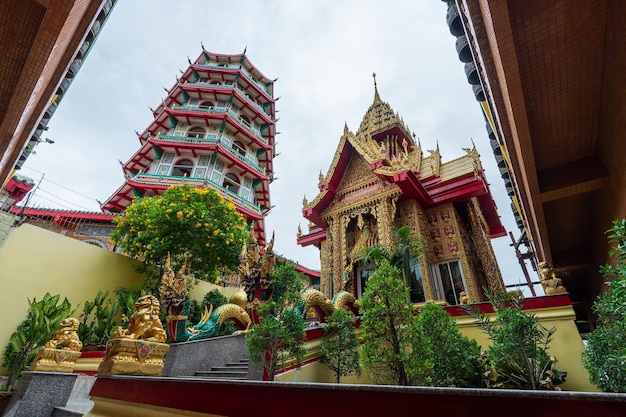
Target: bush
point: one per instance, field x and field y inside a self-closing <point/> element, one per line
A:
<point x="455" y="357"/>
<point x="98" y="319"/>
<point x="42" y="320"/>
<point x="518" y="355"/>
<point x="340" y="346"/>
<point x="605" y="357"/>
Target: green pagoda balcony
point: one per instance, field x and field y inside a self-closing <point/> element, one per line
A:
<point x="152" y="180"/>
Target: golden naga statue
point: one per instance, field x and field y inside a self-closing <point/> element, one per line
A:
<point x="549" y="281"/>
<point x="60" y="353"/>
<point x="322" y="306"/>
<point x="139" y="349"/>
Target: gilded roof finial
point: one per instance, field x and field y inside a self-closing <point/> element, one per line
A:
<point x="299" y="231"/>
<point x="305" y="202"/>
<point x="376" y="96"/>
<point x="321" y="178"/>
<point x="345" y="129"/>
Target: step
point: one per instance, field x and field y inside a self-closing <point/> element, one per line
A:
<point x="223" y="374"/>
<point x="66" y="412"/>
<point x="230" y="367"/>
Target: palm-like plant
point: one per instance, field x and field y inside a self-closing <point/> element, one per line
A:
<point x="407" y="246"/>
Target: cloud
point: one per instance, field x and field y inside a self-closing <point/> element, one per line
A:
<point x="324" y="53"/>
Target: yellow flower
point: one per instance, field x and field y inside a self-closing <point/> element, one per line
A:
<point x="216" y="232"/>
<point x="198" y="225"/>
<point x="179" y="215"/>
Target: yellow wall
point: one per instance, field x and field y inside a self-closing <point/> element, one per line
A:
<point x="316" y="371"/>
<point x="566" y="346"/>
<point x="34" y="261"/>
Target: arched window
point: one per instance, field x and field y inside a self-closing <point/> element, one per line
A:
<point x="206" y="105"/>
<point x="183" y="168"/>
<point x="196" y="132"/>
<point x="231" y="182"/>
<point x="239" y="147"/>
<point x="245" y="120"/>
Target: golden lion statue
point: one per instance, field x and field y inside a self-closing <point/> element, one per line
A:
<point x="145" y="323"/>
<point x="60" y="353"/>
<point x="66" y="337"/>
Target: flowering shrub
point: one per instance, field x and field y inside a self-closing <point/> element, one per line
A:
<point x="183" y="221"/>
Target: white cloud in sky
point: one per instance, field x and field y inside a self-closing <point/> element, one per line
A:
<point x="324" y="54"/>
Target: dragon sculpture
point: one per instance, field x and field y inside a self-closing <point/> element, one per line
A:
<point x="175" y="299"/>
<point x="255" y="274"/>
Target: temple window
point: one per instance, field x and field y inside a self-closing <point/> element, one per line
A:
<point x="196" y="132"/>
<point x="363" y="272"/>
<point x="206" y="105"/>
<point x="449" y="281"/>
<point x="203" y="80"/>
<point x="231" y="182"/>
<point x="245" y="120"/>
<point x="216" y="175"/>
<point x="239" y="148"/>
<point x="182" y="168"/>
<point x="246" y="189"/>
<point x="417" y="286"/>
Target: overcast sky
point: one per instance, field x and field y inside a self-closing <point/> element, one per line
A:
<point x="323" y="52"/>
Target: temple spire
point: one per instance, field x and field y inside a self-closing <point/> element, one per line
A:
<point x="376" y="96"/>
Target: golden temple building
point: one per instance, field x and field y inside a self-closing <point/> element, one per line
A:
<point x="380" y="180"/>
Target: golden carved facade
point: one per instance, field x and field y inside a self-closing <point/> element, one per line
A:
<point x="379" y="179"/>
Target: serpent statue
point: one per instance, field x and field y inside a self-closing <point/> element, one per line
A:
<point x="175" y="299"/>
<point x="322" y="306"/>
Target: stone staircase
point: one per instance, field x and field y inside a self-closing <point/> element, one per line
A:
<point x="232" y="370"/>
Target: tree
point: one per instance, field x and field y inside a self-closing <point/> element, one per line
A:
<point x="340" y="346"/>
<point x="394" y="348"/>
<point x="279" y="335"/>
<point x="455" y="357"/>
<point x="407" y="247"/>
<point x="183" y="221"/>
<point x="518" y="355"/>
<point x="42" y="320"/>
<point x="605" y="357"/>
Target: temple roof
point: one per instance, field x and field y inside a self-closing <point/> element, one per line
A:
<point x="388" y="147"/>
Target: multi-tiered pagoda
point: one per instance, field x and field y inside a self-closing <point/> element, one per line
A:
<point x="214" y="129"/>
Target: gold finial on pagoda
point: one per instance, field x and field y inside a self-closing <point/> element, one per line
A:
<point x="299" y="231"/>
<point x="346" y="131"/>
<point x="376" y="96"/>
<point x="305" y="202"/>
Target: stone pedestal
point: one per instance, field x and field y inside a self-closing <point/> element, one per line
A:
<point x="38" y="393"/>
<point x="133" y="357"/>
<point x="54" y="360"/>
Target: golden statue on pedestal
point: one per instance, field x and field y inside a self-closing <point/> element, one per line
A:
<point x="61" y="352"/>
<point x="549" y="281"/>
<point x="139" y="349"/>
